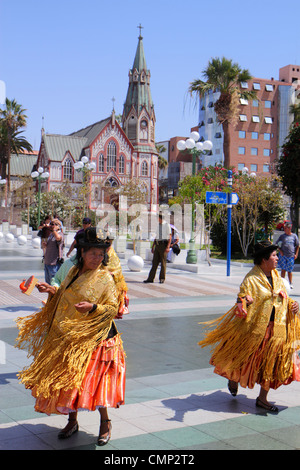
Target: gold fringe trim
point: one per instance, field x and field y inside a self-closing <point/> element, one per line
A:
<point x="236" y="342"/>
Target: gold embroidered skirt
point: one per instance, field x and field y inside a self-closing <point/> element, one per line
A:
<point x="103" y="384"/>
<point x="251" y="372"/>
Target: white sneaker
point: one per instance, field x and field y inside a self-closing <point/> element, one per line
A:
<point x="291" y="286"/>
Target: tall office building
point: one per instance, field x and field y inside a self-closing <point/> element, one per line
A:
<point x="262" y="126"/>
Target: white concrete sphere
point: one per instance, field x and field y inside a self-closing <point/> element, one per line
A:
<point x="135" y="263"/>
<point x="9" y="238"/>
<point x="36" y="242"/>
<point x="22" y="240"/>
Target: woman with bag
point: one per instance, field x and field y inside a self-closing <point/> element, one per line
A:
<point x="79" y="361"/>
<point x="254" y="342"/>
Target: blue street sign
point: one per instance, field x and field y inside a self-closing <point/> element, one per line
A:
<point x="216" y="197"/>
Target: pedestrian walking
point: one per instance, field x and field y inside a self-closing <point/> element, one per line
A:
<point x="288" y="244"/>
<point x="79" y="361"/>
<point x="54" y="250"/>
<point x="254" y="342"/>
<point x="160" y="249"/>
<point x="86" y="223"/>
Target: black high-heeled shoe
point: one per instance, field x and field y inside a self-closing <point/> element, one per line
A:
<point x="102" y="441"/>
<point x="233" y="390"/>
<point x="261" y="404"/>
<point x="68" y="431"/>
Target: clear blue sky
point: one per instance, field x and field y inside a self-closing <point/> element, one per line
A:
<point x="66" y="59"/>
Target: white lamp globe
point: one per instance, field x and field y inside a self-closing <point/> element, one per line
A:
<point x="84" y="159"/>
<point x="253" y="174"/>
<point x="45" y="174"/>
<point x="181" y="145"/>
<point x="195" y="136"/>
<point x="207" y="145"/>
<point x="245" y="170"/>
<point x="34" y="174"/>
<point x="78" y="165"/>
<point x="41" y="169"/>
<point x="190" y="143"/>
<point x="199" y="146"/>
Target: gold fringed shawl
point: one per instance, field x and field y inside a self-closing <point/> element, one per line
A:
<point x="114" y="267"/>
<point x="60" y="338"/>
<point x="236" y="339"/>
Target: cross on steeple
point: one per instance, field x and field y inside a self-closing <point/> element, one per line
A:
<point x="113" y="100"/>
<point x="140" y="28"/>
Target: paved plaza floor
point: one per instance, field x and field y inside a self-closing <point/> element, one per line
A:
<point x="174" y="401"/>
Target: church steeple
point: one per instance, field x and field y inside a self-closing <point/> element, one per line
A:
<point x="138" y="113"/>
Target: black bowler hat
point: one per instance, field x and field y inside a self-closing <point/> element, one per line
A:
<point x="264" y="248"/>
<point x="93" y="238"/>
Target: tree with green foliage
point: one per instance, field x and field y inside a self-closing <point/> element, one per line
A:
<point x="288" y="168"/>
<point x="260" y="203"/>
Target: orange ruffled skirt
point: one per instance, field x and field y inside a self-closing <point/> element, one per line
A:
<point x="103" y="384"/>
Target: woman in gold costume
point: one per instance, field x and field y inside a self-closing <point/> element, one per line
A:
<point x="254" y="342"/>
<point x="79" y="362"/>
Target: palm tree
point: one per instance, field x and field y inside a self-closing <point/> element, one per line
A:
<point x="226" y="77"/>
<point x="295" y="110"/>
<point x="12" y="119"/>
<point x="162" y="162"/>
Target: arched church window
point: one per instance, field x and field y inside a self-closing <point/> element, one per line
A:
<point x="101" y="163"/>
<point x="144" y="168"/>
<point x="111" y="156"/>
<point x="144" y="129"/>
<point x="121" y="164"/>
<point x="132" y="128"/>
<point x="67" y="170"/>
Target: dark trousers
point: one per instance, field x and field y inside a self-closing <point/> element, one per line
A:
<point x="159" y="256"/>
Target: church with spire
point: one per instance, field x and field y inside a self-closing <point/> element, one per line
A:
<point x="117" y="153"/>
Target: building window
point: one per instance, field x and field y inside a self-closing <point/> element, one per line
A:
<point x="266" y="168"/>
<point x="144" y="168"/>
<point x="266" y="152"/>
<point x="256" y="86"/>
<point x="244" y="85"/>
<point x="101" y="163"/>
<point x="121" y="164"/>
<point x="253" y="167"/>
<point x="255" y="118"/>
<point x="255" y="103"/>
<point x="241" y="166"/>
<point x="254" y="151"/>
<point x="111" y="156"/>
<point x="267" y="136"/>
<point x="67" y="170"/>
<point x="268" y="104"/>
<point x="218" y="135"/>
<point x="242" y="134"/>
<point x="254" y="135"/>
<point x="269" y="87"/>
<point x="242" y="150"/>
<point x="243" y="101"/>
<point x="210" y="120"/>
<point x="268" y="120"/>
<point x="243" y="117"/>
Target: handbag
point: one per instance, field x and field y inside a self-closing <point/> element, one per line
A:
<point x="176" y="249"/>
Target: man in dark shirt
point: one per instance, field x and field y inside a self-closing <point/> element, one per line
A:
<point x="54" y="250"/>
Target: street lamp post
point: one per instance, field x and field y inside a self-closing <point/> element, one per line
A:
<point x="85" y="166"/>
<point x="196" y="148"/>
<point x="39" y="176"/>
